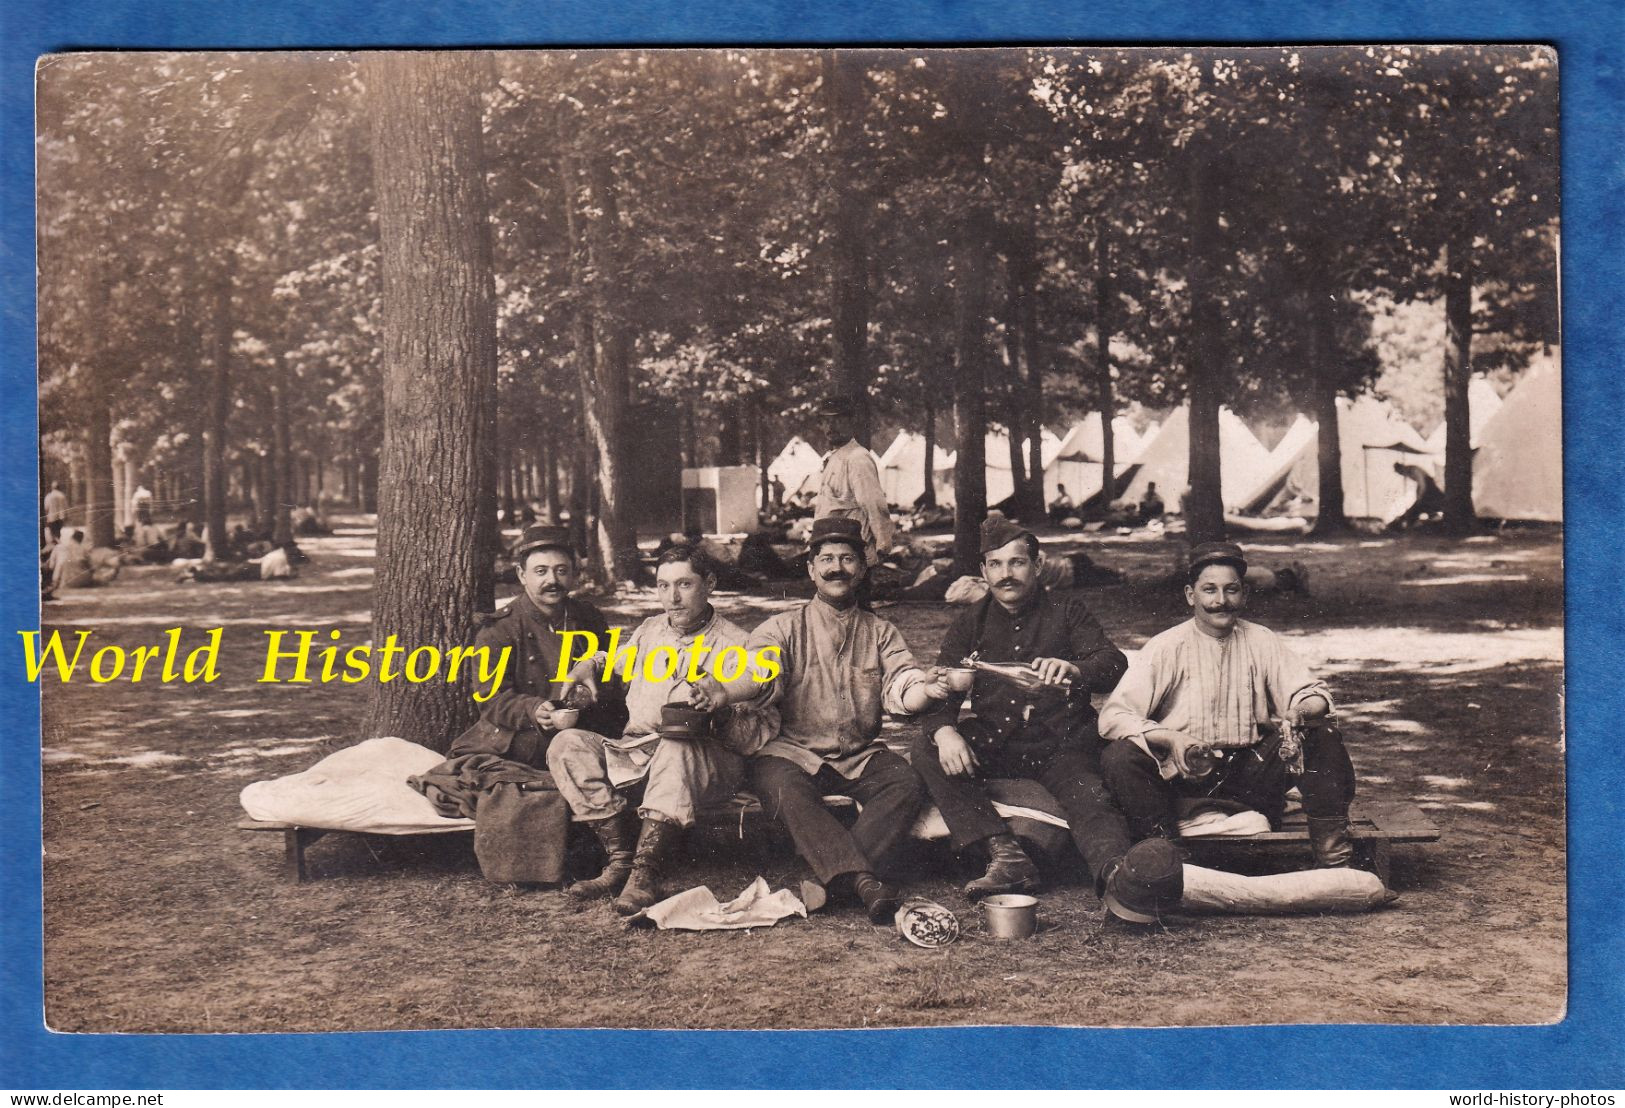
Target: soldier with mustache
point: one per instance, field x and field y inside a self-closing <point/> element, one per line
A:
<point x="1212" y="688"/>
<point x="840" y="667"/>
<point x="1048" y="735"/>
<point x="517" y="722"/>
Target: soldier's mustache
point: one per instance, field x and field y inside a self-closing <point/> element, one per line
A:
<point x="1007" y="583"/>
<point x="837" y="576"/>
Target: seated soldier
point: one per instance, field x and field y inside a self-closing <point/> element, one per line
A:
<point x="70" y="563"/>
<point x="682" y="773"/>
<point x="1151" y="507"/>
<point x="1064" y="506"/>
<point x="187" y="544"/>
<point x="1047" y="734"/>
<point x="1209" y="689"/>
<point x="839" y="667"/>
<point x="517" y="722"/>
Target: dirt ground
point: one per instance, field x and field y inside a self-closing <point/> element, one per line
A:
<point x="1445" y="656"/>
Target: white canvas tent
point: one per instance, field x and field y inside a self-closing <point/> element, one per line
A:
<point x="1371" y="439"/>
<point x="902" y="469"/>
<point x="1165" y="460"/>
<point x="1285" y="459"/>
<point x="795" y="464"/>
<point x="1518" y="469"/>
<point x="1482" y="404"/>
<point x="1079" y="457"/>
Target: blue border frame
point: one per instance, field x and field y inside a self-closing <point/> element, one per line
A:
<point x="1583" y="1051"/>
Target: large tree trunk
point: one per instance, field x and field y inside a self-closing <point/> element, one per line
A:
<point x="217" y="407"/>
<point x="729" y="446"/>
<point x="1014" y="421"/>
<point x="616" y="540"/>
<point x="509" y="459"/>
<point x="849" y="270"/>
<point x="583" y="330"/>
<point x="1459" y="516"/>
<point x="929" y="499"/>
<point x="1204" y="503"/>
<point x="970" y="376"/>
<point x="548" y="473"/>
<point x="121" y="494"/>
<point x="1036" y="512"/>
<point x="439" y="343"/>
<point x="766" y="484"/>
<point x="1331" y="518"/>
<point x="100" y="496"/>
<point x="1105" y="398"/>
<point x="1022" y="329"/>
<point x="281" y="519"/>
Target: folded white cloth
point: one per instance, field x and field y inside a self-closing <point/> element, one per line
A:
<point x="1211" y="823"/>
<point x="698" y="909"/>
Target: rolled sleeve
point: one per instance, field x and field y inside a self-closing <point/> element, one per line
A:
<point x="1291" y="682"/>
<point x="1314" y="688"/>
<point x="899" y="671"/>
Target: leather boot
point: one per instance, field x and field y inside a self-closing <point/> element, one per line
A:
<point x="1009" y="870"/>
<point x="1329" y="839"/>
<point x="616" y="833"/>
<point x="655" y="845"/>
<point x="880" y="900"/>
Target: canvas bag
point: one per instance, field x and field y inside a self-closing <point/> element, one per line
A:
<point x="519" y="833"/>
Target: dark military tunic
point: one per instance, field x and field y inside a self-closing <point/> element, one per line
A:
<point x="507" y="721"/>
<point x="1049" y="626"/>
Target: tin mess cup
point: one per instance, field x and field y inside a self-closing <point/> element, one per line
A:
<point x="961" y="678"/>
<point x="565" y="718"/>
<point x="1011" y="915"/>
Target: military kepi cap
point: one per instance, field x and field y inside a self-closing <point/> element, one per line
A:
<point x="999" y="530"/>
<point x="543" y="536"/>
<point x="837" y="406"/>
<point x="1218" y="553"/>
<point x="1148" y="881"/>
<point x="836" y="529"/>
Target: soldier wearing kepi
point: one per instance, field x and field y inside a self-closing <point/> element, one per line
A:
<point x="1212" y="687"/>
<point x="1047" y="734"/>
<point x="518" y="721"/>
<point x="840" y="666"/>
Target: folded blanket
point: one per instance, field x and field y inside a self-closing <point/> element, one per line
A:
<point x="360" y="788"/>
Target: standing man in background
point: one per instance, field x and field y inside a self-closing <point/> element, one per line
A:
<point x="56" y="510"/>
<point x="849" y="485"/>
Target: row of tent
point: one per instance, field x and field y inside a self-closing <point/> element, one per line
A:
<point x="1517" y="459"/>
<point x="1516" y="444"/>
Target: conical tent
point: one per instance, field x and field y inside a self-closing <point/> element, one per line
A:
<point x="795" y="463"/>
<point x="1518" y="469"/>
<point x="1079" y="456"/>
<point x="1372" y="440"/>
<point x="1287" y="457"/>
<point x="1165" y="460"/>
<point x="902" y="468"/>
